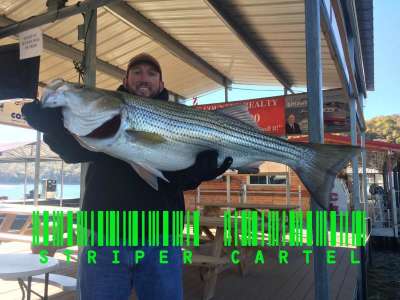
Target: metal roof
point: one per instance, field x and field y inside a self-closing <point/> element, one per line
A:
<point x="199" y="45"/>
<point x="365" y="17"/>
<point x="25" y="152"/>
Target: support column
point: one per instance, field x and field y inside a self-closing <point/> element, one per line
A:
<point x="354" y="161"/>
<point x="362" y="272"/>
<point x="364" y="173"/>
<point x="25" y="179"/>
<point x="288" y="186"/>
<point x="37" y="168"/>
<point x="62" y="183"/>
<point x="228" y="188"/>
<point x="315" y="127"/>
<point x="392" y="194"/>
<point x="226" y="93"/>
<point x="90" y="70"/>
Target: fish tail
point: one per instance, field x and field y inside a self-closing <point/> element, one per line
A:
<point x="319" y="165"/>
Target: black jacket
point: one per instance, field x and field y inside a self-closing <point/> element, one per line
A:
<point x="112" y="184"/>
<point x="293" y="130"/>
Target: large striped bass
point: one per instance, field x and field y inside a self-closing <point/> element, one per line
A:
<point x="155" y="136"/>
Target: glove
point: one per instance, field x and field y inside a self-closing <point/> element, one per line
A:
<point x="69" y="149"/>
<point x="46" y="120"/>
<point x="50" y="122"/>
<point x="204" y="168"/>
<point x="62" y="145"/>
<point x="206" y="165"/>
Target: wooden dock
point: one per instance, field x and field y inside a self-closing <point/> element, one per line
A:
<point x="270" y="280"/>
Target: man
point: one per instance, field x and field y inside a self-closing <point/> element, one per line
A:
<point x="112" y="184"/>
<point x="291" y="126"/>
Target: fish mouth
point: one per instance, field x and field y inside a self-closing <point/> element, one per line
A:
<point x="107" y="130"/>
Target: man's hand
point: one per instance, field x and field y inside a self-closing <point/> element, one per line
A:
<point x="206" y="165"/>
<point x="60" y="144"/>
<point x="50" y="122"/>
<point x="47" y="120"/>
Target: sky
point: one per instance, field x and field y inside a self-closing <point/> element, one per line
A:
<point x="382" y="101"/>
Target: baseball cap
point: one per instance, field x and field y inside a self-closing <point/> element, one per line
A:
<point x="144" y="58"/>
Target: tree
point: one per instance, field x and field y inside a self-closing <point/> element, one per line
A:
<point x="385" y="128"/>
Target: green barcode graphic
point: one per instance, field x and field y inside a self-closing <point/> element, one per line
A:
<point x="244" y="228"/>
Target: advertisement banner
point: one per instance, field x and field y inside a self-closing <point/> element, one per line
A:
<point x="269" y="113"/>
<point x="288" y="115"/>
<point x="10" y="114"/>
<point x="336" y="112"/>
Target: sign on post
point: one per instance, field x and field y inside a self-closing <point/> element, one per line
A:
<point x="30" y="43"/>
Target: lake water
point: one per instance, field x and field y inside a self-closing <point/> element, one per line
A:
<point x="16" y="191"/>
<point x="384" y="275"/>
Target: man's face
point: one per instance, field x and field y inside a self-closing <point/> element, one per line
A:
<point x="291" y="119"/>
<point x="144" y="80"/>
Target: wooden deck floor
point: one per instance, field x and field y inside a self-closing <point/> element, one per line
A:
<point x="270" y="280"/>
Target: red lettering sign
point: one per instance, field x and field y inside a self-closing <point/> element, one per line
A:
<point x="269" y="113"/>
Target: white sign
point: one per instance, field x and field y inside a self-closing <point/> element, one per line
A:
<point x="10" y="114"/>
<point x="30" y="43"/>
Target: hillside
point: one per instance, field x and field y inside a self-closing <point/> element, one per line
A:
<point x="14" y="173"/>
<point x="385" y="128"/>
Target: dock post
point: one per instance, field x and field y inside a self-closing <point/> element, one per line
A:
<point x="315" y="127"/>
<point x="37" y="168"/>
<point x="89" y="62"/>
<point x="228" y="188"/>
<point x="62" y="183"/>
<point x="392" y="195"/>
<point x="362" y="272"/>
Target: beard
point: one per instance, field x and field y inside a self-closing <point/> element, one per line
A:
<point x="145" y="90"/>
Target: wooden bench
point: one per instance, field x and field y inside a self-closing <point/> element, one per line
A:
<point x="14" y="237"/>
<point x="17" y="237"/>
<point x="66" y="283"/>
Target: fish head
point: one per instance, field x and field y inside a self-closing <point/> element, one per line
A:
<point x="60" y="93"/>
<point x="90" y="114"/>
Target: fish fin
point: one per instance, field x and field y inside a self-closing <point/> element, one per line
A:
<point x="145" y="137"/>
<point x="148" y="174"/>
<point x="239" y="112"/>
<point x="319" y="165"/>
<point x="83" y="143"/>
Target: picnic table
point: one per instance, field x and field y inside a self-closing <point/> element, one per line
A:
<point x="217" y="260"/>
<point x="10" y="212"/>
<point x="259" y="207"/>
<point x="23" y="266"/>
<point x="35" y="273"/>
